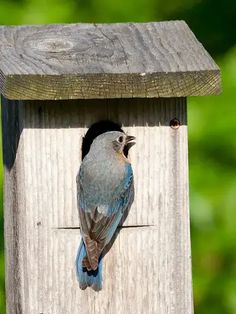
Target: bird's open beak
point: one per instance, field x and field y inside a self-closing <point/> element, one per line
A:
<point x="129" y="141"/>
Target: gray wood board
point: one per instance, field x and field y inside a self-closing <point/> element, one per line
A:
<point x="148" y="269"/>
<point x="104" y="61"/>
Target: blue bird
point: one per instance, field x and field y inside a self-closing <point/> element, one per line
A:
<point x="105" y="194"/>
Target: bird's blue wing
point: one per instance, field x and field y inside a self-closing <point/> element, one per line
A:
<point x="119" y="206"/>
<point x="99" y="226"/>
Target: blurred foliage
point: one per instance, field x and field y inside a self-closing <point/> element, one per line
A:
<point x="212" y="129"/>
<point x="212" y="152"/>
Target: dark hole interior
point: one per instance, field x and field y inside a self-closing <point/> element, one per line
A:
<point x="97" y="129"/>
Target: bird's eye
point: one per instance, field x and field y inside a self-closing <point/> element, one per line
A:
<point x="120" y="139"/>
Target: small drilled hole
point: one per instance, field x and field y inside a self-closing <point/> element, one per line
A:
<point x="175" y="123"/>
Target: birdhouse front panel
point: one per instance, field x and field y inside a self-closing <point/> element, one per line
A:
<point x="151" y="249"/>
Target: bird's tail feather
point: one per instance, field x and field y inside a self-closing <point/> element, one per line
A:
<point x="92" y="278"/>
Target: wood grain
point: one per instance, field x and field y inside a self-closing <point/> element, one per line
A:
<point x="126" y="60"/>
<point x="148" y="269"/>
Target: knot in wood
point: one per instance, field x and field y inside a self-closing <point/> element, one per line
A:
<point x="53" y="45"/>
<point x="175" y="123"/>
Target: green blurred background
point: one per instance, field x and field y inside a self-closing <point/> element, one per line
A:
<point x="212" y="129"/>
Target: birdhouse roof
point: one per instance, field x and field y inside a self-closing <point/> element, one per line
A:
<point x="121" y="60"/>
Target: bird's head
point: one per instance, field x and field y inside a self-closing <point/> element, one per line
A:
<point x="123" y="142"/>
<point x="113" y="140"/>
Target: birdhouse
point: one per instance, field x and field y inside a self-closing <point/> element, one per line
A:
<point x="56" y="82"/>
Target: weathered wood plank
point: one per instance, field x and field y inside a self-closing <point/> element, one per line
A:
<point x="144" y="273"/>
<point x="104" y="61"/>
<point x="148" y="270"/>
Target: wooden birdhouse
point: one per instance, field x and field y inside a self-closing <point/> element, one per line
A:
<point x="56" y="81"/>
